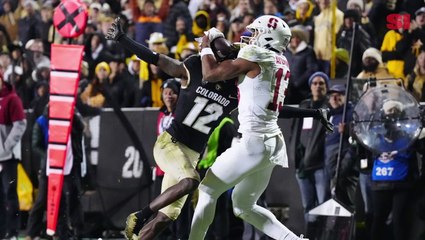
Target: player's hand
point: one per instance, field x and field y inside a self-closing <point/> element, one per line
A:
<point x="324" y="119"/>
<point x="115" y="32"/>
<point x="214" y="33"/>
<point x="133" y="225"/>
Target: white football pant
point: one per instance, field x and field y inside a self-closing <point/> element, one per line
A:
<point x="247" y="166"/>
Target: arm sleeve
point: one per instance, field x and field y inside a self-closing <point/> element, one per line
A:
<point x="140" y="50"/>
<point x="19" y="124"/>
<point x="37" y="140"/>
<point x="15" y="134"/>
<point x="294" y="112"/>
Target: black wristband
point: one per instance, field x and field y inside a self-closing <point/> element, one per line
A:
<point x="141" y="51"/>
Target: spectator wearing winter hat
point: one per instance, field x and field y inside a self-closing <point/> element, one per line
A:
<point x="24" y="87"/>
<point x="36" y="53"/>
<point x="93" y="93"/>
<point x="355" y="4"/>
<point x="342" y="60"/>
<point x="307" y="147"/>
<point x="373" y="66"/>
<point x="359" y="7"/>
<point x="94" y="13"/>
<point x="303" y="62"/>
<point x="29" y="23"/>
<point x="322" y="75"/>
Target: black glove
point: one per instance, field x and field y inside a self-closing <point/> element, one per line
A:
<point x="323" y="112"/>
<point x="115" y="32"/>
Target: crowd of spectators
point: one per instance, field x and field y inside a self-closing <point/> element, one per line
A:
<point x="171" y="27"/>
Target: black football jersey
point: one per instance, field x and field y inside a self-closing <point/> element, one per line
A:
<point x="201" y="106"/>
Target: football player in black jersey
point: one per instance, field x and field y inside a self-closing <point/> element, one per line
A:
<point x="200" y="108"/>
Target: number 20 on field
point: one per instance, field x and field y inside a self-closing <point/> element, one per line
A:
<point x="397" y="21"/>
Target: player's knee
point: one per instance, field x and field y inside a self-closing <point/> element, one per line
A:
<point x="189" y="184"/>
<point x="240" y="212"/>
<point x="237" y="212"/>
<point x="240" y="208"/>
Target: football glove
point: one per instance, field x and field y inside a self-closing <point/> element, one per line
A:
<point x="133" y="225"/>
<point x="115" y="32"/>
<point x="323" y="112"/>
<point x="214" y="33"/>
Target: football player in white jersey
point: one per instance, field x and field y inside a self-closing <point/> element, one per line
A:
<point x="263" y="74"/>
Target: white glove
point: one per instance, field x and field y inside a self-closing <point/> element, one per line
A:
<point x="213" y="33"/>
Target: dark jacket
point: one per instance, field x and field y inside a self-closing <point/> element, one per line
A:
<point x="303" y="64"/>
<point x="309" y="155"/>
<point x="362" y="42"/>
<point x="348" y="160"/>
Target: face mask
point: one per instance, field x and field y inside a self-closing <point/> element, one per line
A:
<point x="371" y="67"/>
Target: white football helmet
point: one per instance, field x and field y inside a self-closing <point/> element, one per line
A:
<point x="269" y="32"/>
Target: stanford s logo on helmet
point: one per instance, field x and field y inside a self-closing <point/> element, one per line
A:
<point x="270" y="32"/>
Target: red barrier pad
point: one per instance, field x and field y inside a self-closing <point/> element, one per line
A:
<point x="64" y="83"/>
<point x="59" y="131"/>
<point x="66" y="57"/>
<point x="56" y="155"/>
<point x="54" y="192"/>
<point x="61" y="107"/>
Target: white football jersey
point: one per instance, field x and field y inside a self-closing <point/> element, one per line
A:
<point x="261" y="98"/>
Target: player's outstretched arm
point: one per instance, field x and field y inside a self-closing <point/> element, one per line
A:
<point x="294" y="112"/>
<point x="169" y="65"/>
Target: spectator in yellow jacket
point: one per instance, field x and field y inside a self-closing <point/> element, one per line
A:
<point x="92" y="94"/>
<point x="323" y="33"/>
<point x="372" y="65"/>
<point x="393" y="58"/>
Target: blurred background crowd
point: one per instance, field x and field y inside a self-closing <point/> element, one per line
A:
<point x="170" y="27"/>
